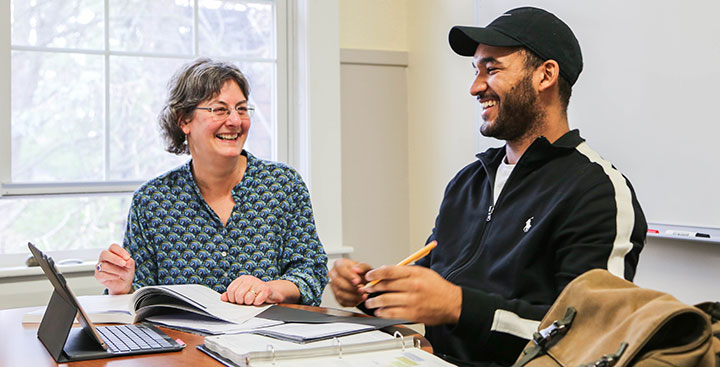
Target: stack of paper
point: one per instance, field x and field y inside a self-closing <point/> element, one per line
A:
<point x="196" y="323"/>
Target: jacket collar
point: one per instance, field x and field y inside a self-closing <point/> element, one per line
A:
<point x="539" y="151"/>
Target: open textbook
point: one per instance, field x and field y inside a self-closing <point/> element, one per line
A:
<point x="191" y="304"/>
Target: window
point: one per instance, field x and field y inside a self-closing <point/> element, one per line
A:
<point x="88" y="79"/>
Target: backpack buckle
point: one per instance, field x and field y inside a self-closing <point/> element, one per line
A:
<point x="609" y="360"/>
<point x="558" y="328"/>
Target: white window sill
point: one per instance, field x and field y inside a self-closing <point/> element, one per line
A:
<point x="23" y="271"/>
<point x="88" y="266"/>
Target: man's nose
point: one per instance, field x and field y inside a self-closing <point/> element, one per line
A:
<point x="478" y="86"/>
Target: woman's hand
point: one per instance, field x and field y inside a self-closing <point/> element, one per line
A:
<point x="115" y="270"/>
<point x="249" y="290"/>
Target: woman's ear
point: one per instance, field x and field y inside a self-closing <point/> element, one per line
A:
<point x="549" y="74"/>
<point x="184" y="125"/>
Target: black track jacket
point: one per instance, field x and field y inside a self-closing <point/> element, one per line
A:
<point x="563" y="210"/>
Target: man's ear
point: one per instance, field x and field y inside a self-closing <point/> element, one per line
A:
<point x="549" y="74"/>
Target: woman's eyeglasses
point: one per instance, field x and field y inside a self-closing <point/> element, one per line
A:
<point x="222" y="113"/>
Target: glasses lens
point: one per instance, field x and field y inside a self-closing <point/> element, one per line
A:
<point x="221" y="113"/>
<point x="244" y="112"/>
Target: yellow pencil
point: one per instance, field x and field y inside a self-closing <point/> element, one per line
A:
<point x="419" y="254"/>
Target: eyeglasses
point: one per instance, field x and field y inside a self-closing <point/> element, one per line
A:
<point x="222" y="113"/>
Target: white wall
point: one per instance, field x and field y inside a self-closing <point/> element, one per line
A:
<point x="688" y="270"/>
<point x="442" y="128"/>
<point x="373" y="24"/>
<point x="375" y="155"/>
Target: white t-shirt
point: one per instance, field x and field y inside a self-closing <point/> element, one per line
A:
<point x="503" y="172"/>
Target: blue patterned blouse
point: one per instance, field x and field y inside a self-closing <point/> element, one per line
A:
<point x="176" y="238"/>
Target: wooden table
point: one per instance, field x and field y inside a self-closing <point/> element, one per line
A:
<point x="19" y="345"/>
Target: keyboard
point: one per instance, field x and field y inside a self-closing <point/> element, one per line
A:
<point x="125" y="338"/>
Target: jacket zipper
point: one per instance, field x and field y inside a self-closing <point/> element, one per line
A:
<point x="479" y="244"/>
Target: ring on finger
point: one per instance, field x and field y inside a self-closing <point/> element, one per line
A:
<point x="98" y="266"/>
<point x="253" y="292"/>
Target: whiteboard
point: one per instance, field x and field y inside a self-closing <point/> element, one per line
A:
<point x="648" y="99"/>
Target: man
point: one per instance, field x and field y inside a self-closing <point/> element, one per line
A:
<point x="516" y="226"/>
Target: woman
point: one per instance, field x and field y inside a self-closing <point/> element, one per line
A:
<point x="239" y="225"/>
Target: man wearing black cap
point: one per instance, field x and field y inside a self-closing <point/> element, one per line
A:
<point x="516" y="226"/>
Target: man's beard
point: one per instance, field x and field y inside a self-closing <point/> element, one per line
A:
<point x="519" y="113"/>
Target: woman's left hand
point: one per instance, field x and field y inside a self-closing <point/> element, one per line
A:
<point x="249" y="290"/>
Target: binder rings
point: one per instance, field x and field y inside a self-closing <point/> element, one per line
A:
<point x="398" y="351"/>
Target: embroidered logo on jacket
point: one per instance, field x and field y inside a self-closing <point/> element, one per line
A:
<point x="528" y="224"/>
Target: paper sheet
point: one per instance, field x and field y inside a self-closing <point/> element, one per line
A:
<point x="307" y="332"/>
<point x="209" y="326"/>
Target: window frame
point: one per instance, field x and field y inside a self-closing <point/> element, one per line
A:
<point x="9" y="189"/>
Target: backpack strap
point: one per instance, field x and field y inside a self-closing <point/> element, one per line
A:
<point x="547" y="336"/>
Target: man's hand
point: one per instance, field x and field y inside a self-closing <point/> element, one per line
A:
<point x="414" y="293"/>
<point x="249" y="290"/>
<point x="346" y="278"/>
<point x="115" y="269"/>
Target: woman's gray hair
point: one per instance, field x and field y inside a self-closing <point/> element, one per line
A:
<point x="197" y="81"/>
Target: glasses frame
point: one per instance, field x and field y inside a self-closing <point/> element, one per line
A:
<point x="250" y="110"/>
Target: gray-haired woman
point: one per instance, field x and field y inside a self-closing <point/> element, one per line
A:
<point x="237" y="224"/>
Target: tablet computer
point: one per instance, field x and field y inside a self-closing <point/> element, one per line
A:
<point x="66" y="343"/>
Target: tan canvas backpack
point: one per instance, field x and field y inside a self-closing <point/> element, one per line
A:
<point x="605" y="321"/>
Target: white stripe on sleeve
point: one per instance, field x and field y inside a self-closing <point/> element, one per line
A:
<point x="625" y="218"/>
<point x="510" y="323"/>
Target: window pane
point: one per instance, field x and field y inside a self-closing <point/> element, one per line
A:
<point x="137" y="93"/>
<point x="57" y="117"/>
<point x="164" y="26"/>
<point x="239" y="28"/>
<point x="59" y="132"/>
<point x="65" y="24"/>
<point x="62" y="223"/>
<point x="261" y="141"/>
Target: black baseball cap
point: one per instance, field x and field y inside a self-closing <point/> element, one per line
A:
<point x="536" y="29"/>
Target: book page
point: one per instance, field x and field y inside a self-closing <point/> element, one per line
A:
<point x="203" y="299"/>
